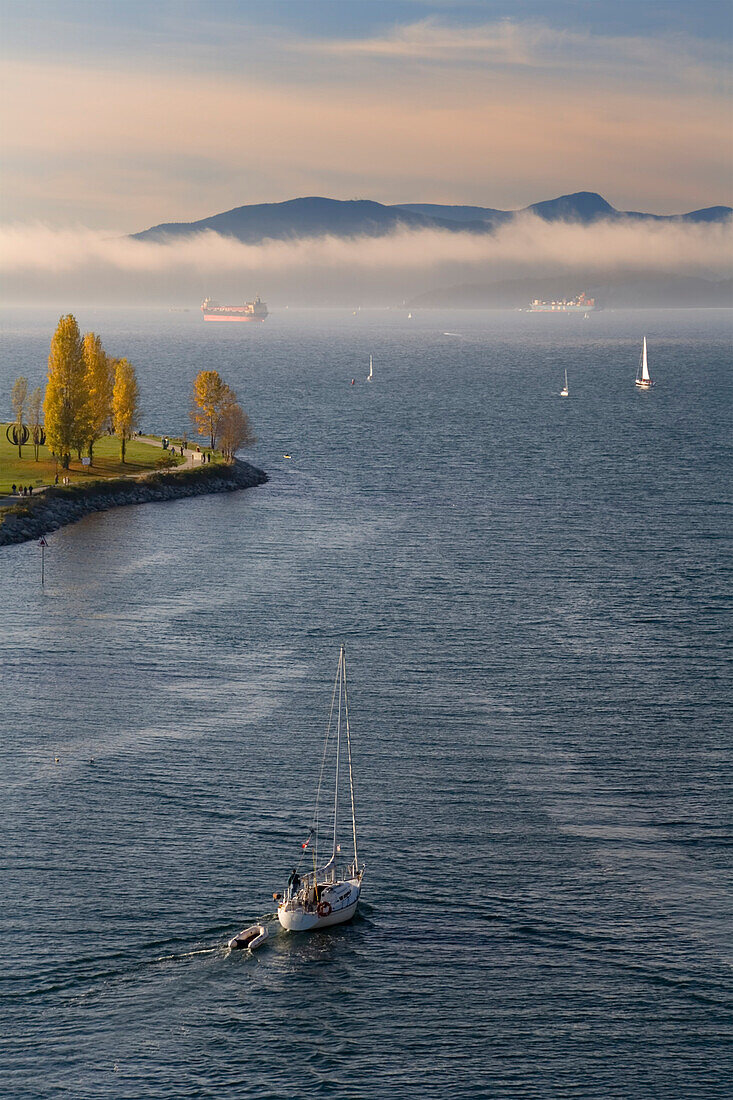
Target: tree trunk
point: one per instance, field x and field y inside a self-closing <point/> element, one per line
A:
<point x="91" y="453"/>
<point x="123" y="443"/>
<point x="65" y="461"/>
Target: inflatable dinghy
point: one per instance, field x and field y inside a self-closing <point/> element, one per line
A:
<point x="251" y="937"/>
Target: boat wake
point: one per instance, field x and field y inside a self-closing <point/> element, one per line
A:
<point x="190" y="954"/>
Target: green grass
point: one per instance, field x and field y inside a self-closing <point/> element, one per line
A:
<point x="140" y="457"/>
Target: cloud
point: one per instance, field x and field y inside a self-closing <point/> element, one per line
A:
<point x="39" y="259"/>
<point x="543" y="48"/>
<point x="499" y="114"/>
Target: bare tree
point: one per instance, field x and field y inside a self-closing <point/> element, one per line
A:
<point x="35" y="407"/>
<point x="234" y="429"/>
<point x="19" y="397"/>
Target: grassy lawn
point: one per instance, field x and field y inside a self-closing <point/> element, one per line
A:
<point x="140" y="457"/>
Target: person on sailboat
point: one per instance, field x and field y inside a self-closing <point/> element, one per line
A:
<point x="293" y="883"/>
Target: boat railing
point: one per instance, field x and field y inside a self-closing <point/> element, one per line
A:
<point x="312" y="882"/>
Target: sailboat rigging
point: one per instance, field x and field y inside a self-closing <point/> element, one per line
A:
<point x="643" y="381"/>
<point x="329" y="893"/>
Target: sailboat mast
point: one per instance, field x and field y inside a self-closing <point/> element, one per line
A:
<point x="351" y="773"/>
<point x="340" y="676"/>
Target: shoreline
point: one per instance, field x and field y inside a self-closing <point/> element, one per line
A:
<point x="59" y="506"/>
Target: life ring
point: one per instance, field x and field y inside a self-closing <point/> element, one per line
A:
<point x="323" y="909"/>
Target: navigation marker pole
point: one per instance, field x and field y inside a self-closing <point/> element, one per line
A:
<point x="43" y="544"/>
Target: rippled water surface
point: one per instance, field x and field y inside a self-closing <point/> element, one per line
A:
<point x="532" y="592"/>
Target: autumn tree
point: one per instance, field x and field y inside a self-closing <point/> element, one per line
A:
<point x="210" y="398"/>
<point x="66" y="402"/>
<point x="100" y="384"/>
<point x="35" y="408"/>
<point x="125" y="403"/>
<point x="234" y="428"/>
<point x="19" y="398"/>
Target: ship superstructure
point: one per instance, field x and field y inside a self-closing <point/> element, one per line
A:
<point x="250" y="311"/>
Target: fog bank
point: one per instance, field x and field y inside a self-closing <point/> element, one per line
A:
<point x="39" y="263"/>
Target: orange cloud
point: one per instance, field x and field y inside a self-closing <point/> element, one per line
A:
<point x="506" y="118"/>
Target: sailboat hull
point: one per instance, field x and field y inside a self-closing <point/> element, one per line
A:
<point x="643" y="384"/>
<point x="337" y="905"/>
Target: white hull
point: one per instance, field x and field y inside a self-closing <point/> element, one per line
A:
<point x="342" y="897"/>
<point x="564" y="393"/>
<point x="643" y="385"/>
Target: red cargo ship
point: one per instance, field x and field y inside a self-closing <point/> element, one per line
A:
<point x="250" y="311"/>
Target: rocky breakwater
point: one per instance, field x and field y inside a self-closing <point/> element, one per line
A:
<point x="54" y="508"/>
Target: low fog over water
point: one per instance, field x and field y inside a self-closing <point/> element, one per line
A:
<point x="110" y="268"/>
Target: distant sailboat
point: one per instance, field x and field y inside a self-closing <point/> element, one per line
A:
<point x="370" y="376"/>
<point x="409" y="316"/>
<point x="643" y="381"/>
<point x="565" y="391"/>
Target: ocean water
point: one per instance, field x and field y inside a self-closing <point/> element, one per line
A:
<point x="533" y="596"/>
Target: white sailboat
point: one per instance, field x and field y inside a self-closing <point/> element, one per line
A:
<point x="643" y="381"/>
<point x="329" y="893"/>
<point x="565" y="391"/>
<point x="370" y="376"/>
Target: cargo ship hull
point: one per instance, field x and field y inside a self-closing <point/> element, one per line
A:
<point x="230" y="317"/>
<point x="560" y="309"/>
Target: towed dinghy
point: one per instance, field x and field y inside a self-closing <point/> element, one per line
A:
<point x="252" y="937"/>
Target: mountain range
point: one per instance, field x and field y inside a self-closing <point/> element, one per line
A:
<point x="314" y="217"/>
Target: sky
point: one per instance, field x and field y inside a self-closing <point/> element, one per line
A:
<point x="115" y="116"/>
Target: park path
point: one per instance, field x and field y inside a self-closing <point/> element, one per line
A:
<point x="191" y="455"/>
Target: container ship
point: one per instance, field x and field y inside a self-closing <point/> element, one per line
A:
<point x="250" y="311"/>
<point x="581" y="304"/>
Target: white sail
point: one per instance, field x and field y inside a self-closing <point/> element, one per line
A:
<point x="371" y="370"/>
<point x="643" y="379"/>
<point x="644" y="364"/>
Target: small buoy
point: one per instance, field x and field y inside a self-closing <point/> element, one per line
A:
<point x="352" y="381"/>
<point x="91" y="759"/>
<point x="286" y="456"/>
<point x="55" y="759"/>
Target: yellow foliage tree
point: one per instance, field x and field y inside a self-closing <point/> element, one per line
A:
<point x="100" y="384"/>
<point x="66" y="400"/>
<point x="125" y="403"/>
<point x="210" y="398"/>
